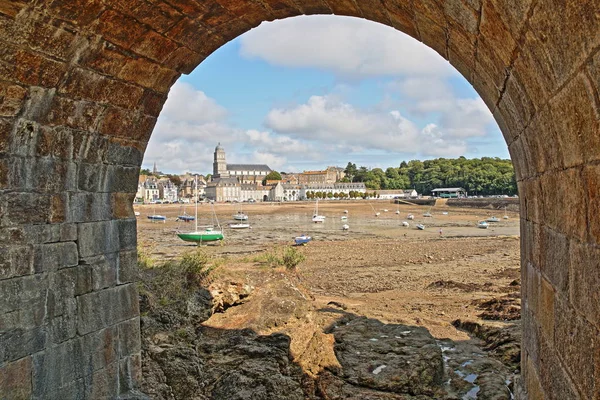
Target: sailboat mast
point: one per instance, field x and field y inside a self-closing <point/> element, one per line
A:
<point x="196" y="200"/>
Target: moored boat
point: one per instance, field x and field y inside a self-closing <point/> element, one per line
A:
<point x="156" y="217"/>
<point x="482" y="225"/>
<point x="207" y="235"/>
<point x="420" y="227"/>
<point x="493" y="219"/>
<point x="302" y="239"/>
<point x="240" y="225"/>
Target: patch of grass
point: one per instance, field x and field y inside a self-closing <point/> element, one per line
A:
<point x="292" y="257"/>
<point x="288" y="257"/>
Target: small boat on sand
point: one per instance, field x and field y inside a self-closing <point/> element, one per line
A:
<point x="493" y="219"/>
<point x="302" y="239"/>
<point x="482" y="225"/>
<point x="240" y="225"/>
<point x="345" y="227"/>
<point x="421" y="227"/>
<point x="156" y="217"/>
<point x="410" y="216"/>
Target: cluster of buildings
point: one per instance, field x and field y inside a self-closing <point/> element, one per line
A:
<point x="246" y="182"/>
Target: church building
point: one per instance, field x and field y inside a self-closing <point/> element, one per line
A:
<point x="227" y="180"/>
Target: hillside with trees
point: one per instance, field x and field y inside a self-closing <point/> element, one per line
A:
<point x="479" y="176"/>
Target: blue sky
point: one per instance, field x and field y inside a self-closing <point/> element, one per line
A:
<point x="308" y="92"/>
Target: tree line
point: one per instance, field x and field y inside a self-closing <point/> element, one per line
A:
<point x="478" y="176"/>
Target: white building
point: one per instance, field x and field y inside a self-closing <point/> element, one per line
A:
<point x="333" y="188"/>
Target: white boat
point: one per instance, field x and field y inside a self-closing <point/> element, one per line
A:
<point x="420" y="227"/>
<point x="385" y="210"/>
<point x="316" y="217"/>
<point x="344" y="218"/>
<point x="377" y="214"/>
<point x="445" y="213"/>
<point x="482" y="225"/>
<point x="345" y="227"/>
<point x="136" y="213"/>
<point x="345" y="211"/>
<point x="410" y="216"/>
<point x="505" y="215"/>
<point x="493" y="219"/>
<point x="209" y="234"/>
<point x="428" y="214"/>
<point x="240" y="216"/>
<point x="240" y="225"/>
<point x="406" y="224"/>
<point x="302" y="239"/>
<point x="397" y="211"/>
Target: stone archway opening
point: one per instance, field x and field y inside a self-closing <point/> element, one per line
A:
<point x="82" y="84"/>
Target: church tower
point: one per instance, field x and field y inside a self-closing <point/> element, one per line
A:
<point x="220" y="165"/>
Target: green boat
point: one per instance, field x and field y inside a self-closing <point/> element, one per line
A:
<point x="207" y="235"/>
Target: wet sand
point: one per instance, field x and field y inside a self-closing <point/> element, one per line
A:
<point x="377" y="268"/>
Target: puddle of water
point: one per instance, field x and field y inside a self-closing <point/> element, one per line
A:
<point x="471" y="394"/>
<point x="459" y="373"/>
<point x="471" y="378"/>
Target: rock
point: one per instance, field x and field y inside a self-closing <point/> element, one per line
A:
<point x="412" y="359"/>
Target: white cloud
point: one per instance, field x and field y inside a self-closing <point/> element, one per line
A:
<point x="341" y="127"/>
<point x="350" y="47"/>
<point x="185" y="103"/>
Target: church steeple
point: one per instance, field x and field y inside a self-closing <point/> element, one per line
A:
<point x="155" y="170"/>
<point x="220" y="164"/>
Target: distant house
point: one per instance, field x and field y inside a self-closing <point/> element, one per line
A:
<point x="447" y="193"/>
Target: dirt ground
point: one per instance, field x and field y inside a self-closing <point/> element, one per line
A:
<point x="378" y="268"/>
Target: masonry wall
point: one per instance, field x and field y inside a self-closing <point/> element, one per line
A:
<point x="83" y="81"/>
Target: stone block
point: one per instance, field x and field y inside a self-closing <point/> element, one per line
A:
<point x="84" y="283"/>
<point x="19" y="343"/>
<point x="555" y="382"/>
<point x="530" y="191"/>
<point x="127" y="267"/>
<point x="103" y="271"/>
<point x="129" y="337"/>
<point x="101" y="348"/>
<point x="120" y="303"/>
<point x="58" y="367"/>
<point x="576" y="121"/>
<point x="554" y="262"/>
<point x="63" y="327"/>
<point x="122" y="205"/>
<point x="120" y="29"/>
<point x="557" y="24"/>
<point x="12" y="98"/>
<point x="513" y="13"/>
<point x="534" y="388"/>
<point x="576" y="341"/>
<point x="584" y="280"/>
<point x="564" y="200"/>
<point x="24" y="138"/>
<point x="22" y="291"/>
<point x="36" y="70"/>
<point x="91" y="177"/>
<point x="15" y="379"/>
<point x="120" y="179"/>
<point x="24" y="208"/>
<point x="520" y="155"/>
<point x="154" y="76"/>
<point x="127" y="234"/>
<point x="433" y="35"/>
<point x="97" y="238"/>
<point x="76" y="114"/>
<point x="68" y="232"/>
<point x="154" y="46"/>
<point x="54" y="256"/>
<point x="15" y="261"/>
<point x="546" y="312"/>
<point x="591" y="176"/>
<point x="130" y="373"/>
<point x="127" y="156"/>
<point x="460" y="14"/>
<point x="88" y="207"/>
<point x="104" y="383"/>
<point x="533" y="289"/>
<point x="89" y="85"/>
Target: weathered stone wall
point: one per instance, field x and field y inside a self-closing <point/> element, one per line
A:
<point x="81" y="85"/>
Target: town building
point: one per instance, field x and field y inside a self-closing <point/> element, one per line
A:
<point x="329" y="175"/>
<point x="333" y="188"/>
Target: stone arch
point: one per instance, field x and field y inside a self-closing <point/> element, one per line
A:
<point x="83" y="81"/>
